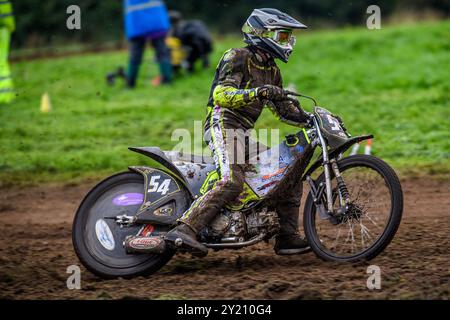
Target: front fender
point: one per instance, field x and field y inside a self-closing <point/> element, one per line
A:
<point x="335" y="152"/>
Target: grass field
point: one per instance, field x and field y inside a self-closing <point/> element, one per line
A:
<point x="392" y="82"/>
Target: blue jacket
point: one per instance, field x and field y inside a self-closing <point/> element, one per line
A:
<point x="145" y="18"/>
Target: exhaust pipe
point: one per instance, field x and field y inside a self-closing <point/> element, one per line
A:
<point x="139" y="244"/>
<point x="157" y="245"/>
<point x="235" y="245"/>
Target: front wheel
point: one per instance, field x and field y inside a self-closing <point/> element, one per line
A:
<point x="98" y="239"/>
<point x="373" y="215"/>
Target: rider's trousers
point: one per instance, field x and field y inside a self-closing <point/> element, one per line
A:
<point x="231" y="174"/>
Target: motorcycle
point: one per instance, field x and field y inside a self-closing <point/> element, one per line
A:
<point x="352" y="211"/>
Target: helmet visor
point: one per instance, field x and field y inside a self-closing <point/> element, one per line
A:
<point x="283" y="37"/>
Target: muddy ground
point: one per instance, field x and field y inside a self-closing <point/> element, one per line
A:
<point x="36" y="249"/>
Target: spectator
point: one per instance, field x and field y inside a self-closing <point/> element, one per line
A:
<point x="195" y="36"/>
<point x="7" y="26"/>
<point x="147" y="20"/>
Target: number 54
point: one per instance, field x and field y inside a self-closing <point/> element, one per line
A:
<point x="155" y="186"/>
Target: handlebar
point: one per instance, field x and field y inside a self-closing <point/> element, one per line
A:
<point x="289" y="96"/>
<point x="298" y="105"/>
<point x="291" y="93"/>
<point x="295" y="94"/>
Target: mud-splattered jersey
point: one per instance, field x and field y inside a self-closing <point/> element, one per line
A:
<point x="238" y="75"/>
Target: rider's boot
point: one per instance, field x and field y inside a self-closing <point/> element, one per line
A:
<point x="204" y="210"/>
<point x="193" y="221"/>
<point x="289" y="241"/>
<point x="291" y="244"/>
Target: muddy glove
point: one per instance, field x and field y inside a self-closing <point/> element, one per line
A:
<point x="270" y="92"/>
<point x="289" y="111"/>
<point x="304" y="115"/>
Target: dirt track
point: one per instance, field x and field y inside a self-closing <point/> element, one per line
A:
<point x="36" y="249"/>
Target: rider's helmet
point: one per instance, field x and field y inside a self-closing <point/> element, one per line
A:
<point x="271" y="30"/>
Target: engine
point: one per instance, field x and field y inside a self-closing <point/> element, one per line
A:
<point x="229" y="227"/>
<point x="262" y="221"/>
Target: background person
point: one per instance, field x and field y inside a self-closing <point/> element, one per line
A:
<point x="194" y="35"/>
<point x="147" y="20"/>
<point x="7" y="26"/>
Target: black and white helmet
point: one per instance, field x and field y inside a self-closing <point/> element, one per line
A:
<point x="271" y="31"/>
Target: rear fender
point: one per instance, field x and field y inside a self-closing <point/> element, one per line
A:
<point x="159" y="156"/>
<point x="192" y="170"/>
<point x="164" y="192"/>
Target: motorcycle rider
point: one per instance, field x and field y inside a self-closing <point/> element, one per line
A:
<point x="246" y="80"/>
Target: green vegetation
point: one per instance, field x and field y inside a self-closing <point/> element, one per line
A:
<point x="102" y="21"/>
<point x="391" y="82"/>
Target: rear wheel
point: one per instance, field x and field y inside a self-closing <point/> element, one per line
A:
<point x="373" y="215"/>
<point x="98" y="239"/>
